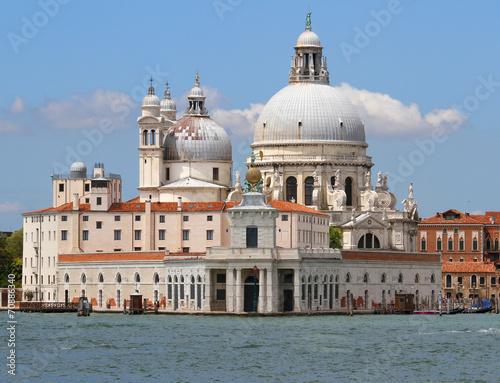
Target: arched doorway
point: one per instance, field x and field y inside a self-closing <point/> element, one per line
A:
<point x="309" y="185"/>
<point x="250" y="293"/>
<point x="291" y="189"/>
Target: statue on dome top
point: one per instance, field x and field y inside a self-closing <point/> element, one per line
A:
<point x="308" y="21"/>
<point x="197" y="80"/>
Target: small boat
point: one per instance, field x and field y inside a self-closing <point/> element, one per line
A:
<point x="476" y="309"/>
<point x="454" y="311"/>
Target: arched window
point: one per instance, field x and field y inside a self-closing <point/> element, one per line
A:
<point x="417" y="278"/>
<point x="400" y="278"/>
<point x="156" y="278"/>
<point x="450" y="259"/>
<point x="303" y="288"/>
<point x="100" y="278"/>
<point x="448" y="281"/>
<point x="369" y="241"/>
<point x="423" y="244"/>
<point x="182" y="288"/>
<point x="439" y="244"/>
<point x="473" y="281"/>
<point x="433" y="278"/>
<point x="332" y="181"/>
<point x="365" y="278"/>
<point x="383" y="278"/>
<point x="450" y="244"/>
<point x="291" y="189"/>
<point x="475" y="259"/>
<point x="348" y="191"/>
<point x="137" y="278"/>
<point x="488" y="244"/>
<point x="309" y="190"/>
<point x="348" y="278"/>
<point x="474" y="244"/>
<point x="66" y="278"/>
<point x="119" y="278"/>
<point x="496" y="243"/>
<point x="461" y="259"/>
<point x="83" y="279"/>
<point x="152" y="138"/>
<point x="145" y="138"/>
<point x="461" y="244"/>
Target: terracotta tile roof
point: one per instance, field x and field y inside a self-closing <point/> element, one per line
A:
<point x="468" y="267"/>
<point x="461" y="218"/>
<point x="135" y="206"/>
<point x="391" y="256"/>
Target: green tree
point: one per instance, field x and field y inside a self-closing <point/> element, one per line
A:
<point x="16" y="268"/>
<point x="335" y="238"/>
<point x="11" y="249"/>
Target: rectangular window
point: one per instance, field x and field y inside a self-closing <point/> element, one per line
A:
<point x="461" y="244"/>
<point x="481" y="281"/>
<point x="215" y="174"/>
<point x="137" y="235"/>
<point x="161" y="235"/>
<point x="64" y="218"/>
<point x="210" y="235"/>
<point x="61" y="187"/>
<point x="423" y="245"/>
<point x="185" y="235"/>
<point x="252" y="237"/>
<point x="185" y="249"/>
<point x="85" y="218"/>
<point x="137" y="249"/>
<point x="168" y="174"/>
<point x="64" y="235"/>
<point x="439" y="245"/>
<point x="493" y="281"/>
<point x="137" y="218"/>
<point x="450" y="245"/>
<point x="162" y="219"/>
<point x="98" y="225"/>
<point x="185" y="218"/>
<point x="118" y="235"/>
<point x="284" y="217"/>
<point x="87" y="187"/>
<point x="210" y="218"/>
<point x="87" y="200"/>
<point x="117" y="218"/>
<point x="221" y="278"/>
<point x="474" y="244"/>
<point x="85" y="235"/>
<point x="99" y="201"/>
<point x="221" y="294"/>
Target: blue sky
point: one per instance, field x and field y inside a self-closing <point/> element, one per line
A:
<point x="425" y="76"/>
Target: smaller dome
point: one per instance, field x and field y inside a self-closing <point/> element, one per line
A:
<point x="78" y="170"/>
<point x="196" y="91"/>
<point x="151" y="99"/>
<point x="167" y="103"/>
<point x="308" y="39"/>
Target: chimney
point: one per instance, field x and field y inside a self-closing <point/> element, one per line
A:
<point x="179" y="204"/>
<point x="76" y="202"/>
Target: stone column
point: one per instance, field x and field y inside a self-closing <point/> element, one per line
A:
<point x="269" y="286"/>
<point x="230" y="290"/>
<point x="239" y="306"/>
<point x="300" y="187"/>
<point x="262" y="285"/>
<point x="206" y="301"/>
<point x="296" y="290"/>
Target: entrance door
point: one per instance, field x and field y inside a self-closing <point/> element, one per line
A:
<point x="249" y="294"/>
<point x="198" y="295"/>
<point x="66" y="297"/>
<point x="288" y="300"/>
<point x="176" y="297"/>
<point x="330" y="297"/>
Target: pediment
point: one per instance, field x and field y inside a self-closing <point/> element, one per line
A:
<point x="366" y="221"/>
<point x="149" y="120"/>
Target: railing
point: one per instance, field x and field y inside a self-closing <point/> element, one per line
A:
<point x="293" y="158"/>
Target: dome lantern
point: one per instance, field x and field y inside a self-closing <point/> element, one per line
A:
<point x="151" y="103"/>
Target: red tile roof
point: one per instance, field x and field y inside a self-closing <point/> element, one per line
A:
<point x="135" y="206"/>
<point x="114" y="256"/>
<point x="468" y="267"/>
<point x="461" y="218"/>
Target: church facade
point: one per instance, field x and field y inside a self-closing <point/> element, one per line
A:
<point x="194" y="241"/>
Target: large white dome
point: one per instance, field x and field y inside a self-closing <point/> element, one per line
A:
<point x="308" y="112"/>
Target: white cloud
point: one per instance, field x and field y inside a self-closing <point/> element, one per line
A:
<point x="11" y="207"/>
<point x="384" y="115"/>
<point x="87" y="111"/>
<point x="9" y="126"/>
<point x="18" y="106"/>
<point x="238" y="123"/>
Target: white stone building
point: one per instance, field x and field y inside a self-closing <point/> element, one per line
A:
<point x="193" y="241"/>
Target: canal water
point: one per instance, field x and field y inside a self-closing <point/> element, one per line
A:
<point x="364" y="348"/>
